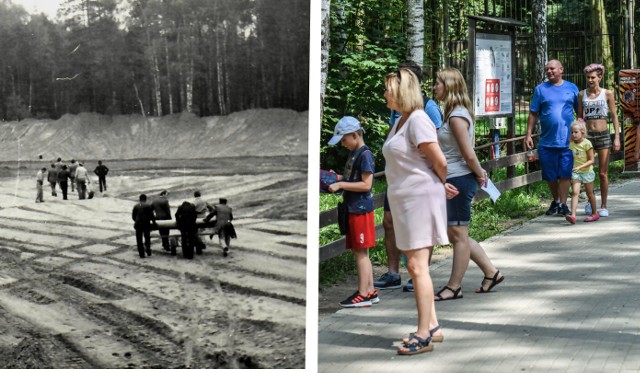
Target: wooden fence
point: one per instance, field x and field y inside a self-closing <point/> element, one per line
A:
<point x="329" y="217"/>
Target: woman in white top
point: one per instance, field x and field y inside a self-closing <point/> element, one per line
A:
<point x="594" y="105"/>
<point x="416" y="170"/>
<point x="456" y="138"/>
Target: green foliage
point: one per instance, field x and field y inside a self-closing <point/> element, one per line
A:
<point x="367" y="42"/>
<point x="16" y="109"/>
<point x="489" y="219"/>
<point x="212" y="57"/>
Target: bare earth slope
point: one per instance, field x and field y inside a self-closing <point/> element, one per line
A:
<point x="75" y="294"/>
<point x="255" y="132"/>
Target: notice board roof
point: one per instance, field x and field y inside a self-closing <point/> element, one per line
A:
<point x="500" y="20"/>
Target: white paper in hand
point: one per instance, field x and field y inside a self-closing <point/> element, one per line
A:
<point x="491" y="190"/>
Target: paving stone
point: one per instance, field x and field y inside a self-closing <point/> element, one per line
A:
<point x="568" y="304"/>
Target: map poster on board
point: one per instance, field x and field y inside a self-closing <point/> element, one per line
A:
<point x="493" y="75"/>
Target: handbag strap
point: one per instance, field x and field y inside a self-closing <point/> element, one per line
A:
<point x="356" y="157"/>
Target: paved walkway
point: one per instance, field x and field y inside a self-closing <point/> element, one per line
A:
<point x="570" y="302"/>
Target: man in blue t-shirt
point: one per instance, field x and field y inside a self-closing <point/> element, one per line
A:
<point x="554" y="103"/>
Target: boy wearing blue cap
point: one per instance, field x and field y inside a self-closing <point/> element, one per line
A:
<point x="356" y="183"/>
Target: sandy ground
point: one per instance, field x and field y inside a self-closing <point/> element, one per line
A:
<point x="75" y="294"/>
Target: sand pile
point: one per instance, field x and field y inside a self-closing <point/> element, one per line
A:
<point x="92" y="136"/>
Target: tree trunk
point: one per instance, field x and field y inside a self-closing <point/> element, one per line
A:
<point x="415" y="31"/>
<point x="325" y="20"/>
<point x="155" y="73"/>
<point x="603" y="46"/>
<point x="339" y="10"/>
<point x="169" y="89"/>
<point x="135" y="87"/>
<point x="444" y="33"/>
<point x="30" y="94"/>
<point x="181" y="72"/>
<point x="539" y="18"/>
<point x="220" y="74"/>
<point x="189" y="85"/>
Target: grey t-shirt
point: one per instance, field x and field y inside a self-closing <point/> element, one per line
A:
<point x="456" y="165"/>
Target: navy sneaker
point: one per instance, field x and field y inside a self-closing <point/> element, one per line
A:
<point x="388" y="281"/>
<point x="553" y="209"/>
<point x="357" y="300"/>
<point x="409" y="286"/>
<point x="563" y="209"/>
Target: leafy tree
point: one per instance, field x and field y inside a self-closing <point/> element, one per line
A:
<point x="157" y="57"/>
<point x="367" y="41"/>
<point x="16" y="109"/>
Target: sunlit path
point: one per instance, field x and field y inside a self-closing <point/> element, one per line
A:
<point x="569" y="303"/>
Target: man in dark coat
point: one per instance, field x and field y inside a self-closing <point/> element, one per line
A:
<point x="143" y="217"/>
<point x="163" y="212"/>
<point x="186" y="218"/>
<point x="63" y="180"/>
<point x="102" y="172"/>
<point x="52" y="177"/>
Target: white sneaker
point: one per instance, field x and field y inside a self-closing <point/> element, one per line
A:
<point x="603" y="212"/>
<point x="587" y="209"/>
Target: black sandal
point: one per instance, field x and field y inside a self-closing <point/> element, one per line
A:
<point x="455" y="294"/>
<point x="434" y="338"/>
<point x="419" y="346"/>
<point x="494" y="282"/>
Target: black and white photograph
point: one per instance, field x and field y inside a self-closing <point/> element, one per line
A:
<point x="153" y="184"/>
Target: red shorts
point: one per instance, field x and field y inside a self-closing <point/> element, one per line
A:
<point x="362" y="231"/>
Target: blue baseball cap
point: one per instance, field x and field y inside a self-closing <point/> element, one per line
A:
<point x="344" y="126"/>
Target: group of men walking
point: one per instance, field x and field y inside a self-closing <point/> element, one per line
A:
<point x="147" y="214"/>
<point x="61" y="174"/>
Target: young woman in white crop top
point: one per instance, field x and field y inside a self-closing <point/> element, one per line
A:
<point x="594" y="105"/>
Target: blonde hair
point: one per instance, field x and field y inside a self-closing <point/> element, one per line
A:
<point x="580" y="124"/>
<point x="455" y="91"/>
<point x="404" y="87"/>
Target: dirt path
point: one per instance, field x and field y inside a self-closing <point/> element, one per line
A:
<point x="74" y="293"/>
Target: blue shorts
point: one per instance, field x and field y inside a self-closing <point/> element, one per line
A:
<point x="557" y="163"/>
<point x="386" y="203"/>
<point x="459" y="207"/>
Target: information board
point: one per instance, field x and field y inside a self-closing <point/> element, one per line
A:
<point x="493" y="85"/>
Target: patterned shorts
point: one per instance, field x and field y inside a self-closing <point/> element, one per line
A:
<point x="599" y="140"/>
